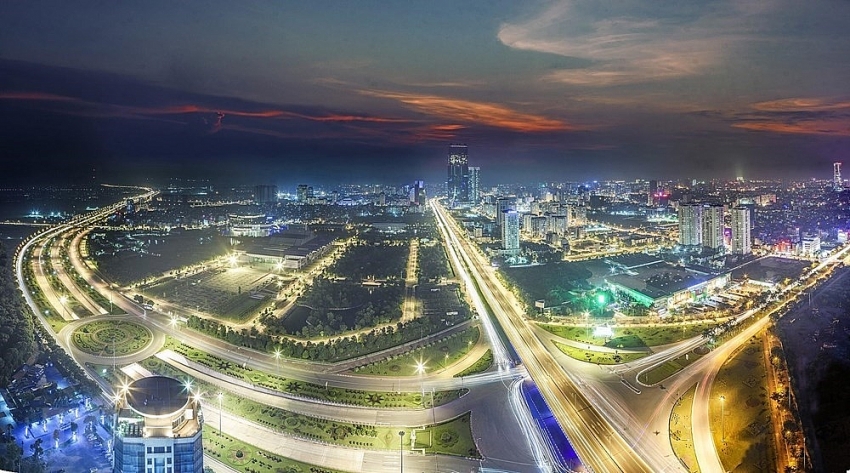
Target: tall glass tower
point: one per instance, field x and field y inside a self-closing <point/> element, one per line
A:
<point x="458" y="174"/>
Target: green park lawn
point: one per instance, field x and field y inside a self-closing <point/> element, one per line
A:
<point x="111" y="337"/>
<point x="599" y="357"/>
<point x="246" y="458"/>
<point x="663" y="371"/>
<point x="481" y="365"/>
<point x="746" y="428"/>
<point x="435" y="355"/>
<point x="630" y="336"/>
<point x="322" y="430"/>
<point x="300" y="388"/>
<point x="681" y="432"/>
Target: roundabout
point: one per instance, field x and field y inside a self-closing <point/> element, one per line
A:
<point x="111" y="338"/>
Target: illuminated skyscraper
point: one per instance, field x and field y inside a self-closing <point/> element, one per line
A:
<point x="712" y="226"/>
<point x="690" y="225"/>
<point x="158" y="428"/>
<point x="741" y="236"/>
<point x="474" y="184"/>
<point x="458" y="174"/>
<point x="836" y="176"/>
<point x="510" y="231"/>
<point x="504" y="204"/>
<point x="653" y="189"/>
<point x="301" y="193"/>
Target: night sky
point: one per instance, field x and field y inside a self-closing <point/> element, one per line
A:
<point x="319" y="91"/>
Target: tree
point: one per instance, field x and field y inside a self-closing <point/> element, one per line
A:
<point x="37" y="449"/>
<point x="11" y="458"/>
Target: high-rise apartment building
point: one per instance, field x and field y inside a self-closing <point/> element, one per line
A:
<point x="741" y="231"/>
<point x="651" y="193"/>
<point x="510" y="231"/>
<point x="158" y="425"/>
<point x="457" y="183"/>
<point x="712" y="227"/>
<point x="265" y="194"/>
<point x="690" y="225"/>
<point x="301" y="193"/>
<point x="474" y="184"/>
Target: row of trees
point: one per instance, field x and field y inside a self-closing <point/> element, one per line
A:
<point x="16" y="337"/>
<point x="368" y="260"/>
<point x="335" y="307"/>
<point x="338" y="349"/>
<point x="433" y="263"/>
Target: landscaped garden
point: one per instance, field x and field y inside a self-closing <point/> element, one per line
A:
<point x="599" y="357"/>
<point x="111" y="337"/>
<point x="309" y="390"/>
<point x="331" y="307"/>
<point x="457" y="441"/>
<point x="247" y="458"/>
<point x="433" y="356"/>
<point x="481" y="365"/>
<point x="659" y="373"/>
<point x="626" y="336"/>
<point x="442" y="308"/>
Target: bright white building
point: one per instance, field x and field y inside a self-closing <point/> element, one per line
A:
<point x="741" y="231"/>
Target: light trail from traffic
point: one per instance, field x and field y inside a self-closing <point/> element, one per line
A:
<point x="596" y="441"/>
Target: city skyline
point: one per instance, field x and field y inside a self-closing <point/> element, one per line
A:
<point x="334" y="91"/>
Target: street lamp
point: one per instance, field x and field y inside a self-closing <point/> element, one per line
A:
<point x="401" y="451"/>
<point x="722" y="429"/>
<point x="420" y="370"/>
<point x="277" y="360"/>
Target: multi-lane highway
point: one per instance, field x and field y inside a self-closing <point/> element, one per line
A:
<point x="499" y="433"/>
<point x="596" y="441"/>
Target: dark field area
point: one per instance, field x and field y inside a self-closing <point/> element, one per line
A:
<point x="551" y="282"/>
<point x="331" y="307"/>
<point x="816" y="339"/>
<point x="127" y="257"/>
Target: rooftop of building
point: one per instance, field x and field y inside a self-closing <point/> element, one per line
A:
<point x="771" y="269"/>
<point x="658" y="280"/>
<point x="157" y="396"/>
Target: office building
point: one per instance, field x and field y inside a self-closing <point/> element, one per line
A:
<point x="712" y="227"/>
<point x="510" y="231"/>
<point x="690" y="225"/>
<point x="417" y="193"/>
<point x="504" y="204"/>
<point x="457" y="183"/>
<point x="837" y="182"/>
<point x="158" y="424"/>
<point x="741" y="231"/>
<point x="265" y="194"/>
<point x="810" y="245"/>
<point x="474" y="184"/>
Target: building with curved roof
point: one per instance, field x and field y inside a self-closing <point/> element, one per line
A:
<point x="158" y="428"/>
